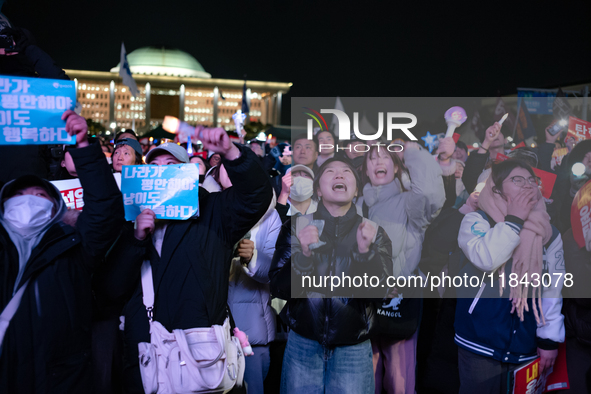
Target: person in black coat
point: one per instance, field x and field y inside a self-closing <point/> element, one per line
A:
<point x="47" y="345"/>
<point x="324" y="321"/>
<point x="190" y="259"/>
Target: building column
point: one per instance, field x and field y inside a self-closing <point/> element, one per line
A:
<point x="148" y="114"/>
<point x="182" y="103"/>
<point x="278" y="108"/>
<point x="216" y="94"/>
<point x="111" y="103"/>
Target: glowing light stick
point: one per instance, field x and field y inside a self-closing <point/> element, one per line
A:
<point x="239" y="118"/>
<point x="183" y="129"/>
<point x="454" y="117"/>
<point x="503" y="118"/>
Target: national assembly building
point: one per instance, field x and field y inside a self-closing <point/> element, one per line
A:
<point x="172" y="82"/>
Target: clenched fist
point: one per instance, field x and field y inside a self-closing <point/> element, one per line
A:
<point x="144" y="224"/>
<point x="365" y="234"/>
<point x="246" y="250"/>
<point x="308" y="236"/>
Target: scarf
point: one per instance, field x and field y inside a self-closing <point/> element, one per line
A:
<point x="527" y="257"/>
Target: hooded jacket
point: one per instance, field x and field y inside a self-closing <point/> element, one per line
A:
<point x="47" y="344"/>
<point x="316" y="313"/>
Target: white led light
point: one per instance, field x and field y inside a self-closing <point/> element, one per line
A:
<point x="578" y="169"/>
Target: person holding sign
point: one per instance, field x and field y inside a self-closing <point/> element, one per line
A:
<point x="190" y="259"/>
<point x="46" y="269"/>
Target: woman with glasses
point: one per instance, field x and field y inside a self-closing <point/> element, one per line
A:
<point x="514" y="314"/>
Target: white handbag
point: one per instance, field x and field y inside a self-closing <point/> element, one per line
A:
<point x="197" y="360"/>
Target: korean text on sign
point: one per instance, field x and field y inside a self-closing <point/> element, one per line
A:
<point x="31" y="110"/>
<point x="579" y="129"/>
<point x="72" y="193"/>
<point x="172" y="192"/>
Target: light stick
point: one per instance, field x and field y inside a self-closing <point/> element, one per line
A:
<point x="454" y="117"/>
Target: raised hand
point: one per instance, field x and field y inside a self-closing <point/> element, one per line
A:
<point x="76" y="125"/>
<point x="365" y="234"/>
<point x="308" y="236"/>
<point x="522" y="205"/>
<point x="144" y="224"/>
<point x="217" y="140"/>
<point x="246" y="250"/>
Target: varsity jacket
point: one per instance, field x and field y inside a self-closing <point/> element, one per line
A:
<point x="484" y="323"/>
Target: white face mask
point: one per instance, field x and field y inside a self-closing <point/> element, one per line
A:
<point x="27" y="211"/>
<point x="302" y="189"/>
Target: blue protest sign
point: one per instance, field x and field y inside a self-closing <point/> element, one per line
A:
<point x="31" y="110"/>
<point x="170" y="191"/>
<point x="537" y="102"/>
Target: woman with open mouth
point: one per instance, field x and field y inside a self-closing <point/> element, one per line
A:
<point x="328" y="349"/>
<point x="404" y="201"/>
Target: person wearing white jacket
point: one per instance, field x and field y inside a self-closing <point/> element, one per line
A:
<point x="249" y="296"/>
<point x="508" y="240"/>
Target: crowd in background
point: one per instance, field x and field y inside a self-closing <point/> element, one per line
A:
<point x="269" y="214"/>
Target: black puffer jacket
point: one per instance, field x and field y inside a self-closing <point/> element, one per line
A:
<point x="330" y="321"/>
<point x="47" y="344"/>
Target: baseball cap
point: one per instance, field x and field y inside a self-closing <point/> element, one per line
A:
<point x="170" y="147"/>
<point x="301" y="167"/>
<point x="130" y="142"/>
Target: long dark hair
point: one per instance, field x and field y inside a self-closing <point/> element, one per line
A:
<point x="500" y="172"/>
<point x="395" y="159"/>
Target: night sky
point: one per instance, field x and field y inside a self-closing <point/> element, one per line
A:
<point x="332" y="48"/>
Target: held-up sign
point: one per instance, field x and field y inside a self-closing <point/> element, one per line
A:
<point x="548" y="180"/>
<point x="72" y="192"/>
<point x="527" y="379"/>
<point x="172" y="191"/>
<point x="580" y="214"/>
<point x="31" y="110"/>
<point x="579" y="129"/>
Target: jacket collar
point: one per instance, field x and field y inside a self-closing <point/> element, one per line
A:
<point x="332" y="225"/>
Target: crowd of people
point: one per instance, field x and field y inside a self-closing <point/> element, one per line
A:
<point x="72" y="282"/>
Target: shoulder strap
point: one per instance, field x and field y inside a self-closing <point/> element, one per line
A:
<point x="10" y="310"/>
<point x="365" y="209"/>
<point x="148" y="288"/>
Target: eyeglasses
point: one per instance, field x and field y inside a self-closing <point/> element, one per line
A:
<point x="520" y="181"/>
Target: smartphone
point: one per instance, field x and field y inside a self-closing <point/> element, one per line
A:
<point x="555" y="129"/>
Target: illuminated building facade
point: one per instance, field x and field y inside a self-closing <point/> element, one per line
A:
<point x="172" y="82"/>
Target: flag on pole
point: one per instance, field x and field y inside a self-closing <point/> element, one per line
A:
<point x="125" y="72"/>
<point x="524" y="127"/>
<point x="245" y="108"/>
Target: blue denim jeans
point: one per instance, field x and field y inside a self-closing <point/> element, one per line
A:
<point x="310" y="368"/>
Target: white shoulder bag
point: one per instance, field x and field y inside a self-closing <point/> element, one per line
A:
<point x="197" y="360"/>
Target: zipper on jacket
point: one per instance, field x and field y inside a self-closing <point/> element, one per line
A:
<point x="327" y="301"/>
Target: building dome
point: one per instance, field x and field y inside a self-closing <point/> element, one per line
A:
<point x="163" y="61"/>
